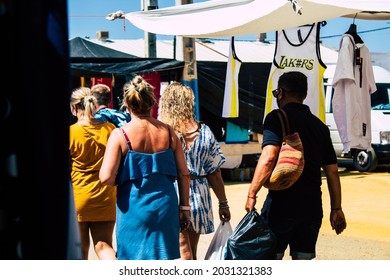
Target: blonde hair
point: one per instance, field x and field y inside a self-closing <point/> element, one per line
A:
<point x="177" y="106"/>
<point x="138" y="96"/>
<point x="81" y="99"/>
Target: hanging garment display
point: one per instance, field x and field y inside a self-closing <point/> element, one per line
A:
<point x="353" y="83"/>
<point x="298" y="49"/>
<point x="231" y="103"/>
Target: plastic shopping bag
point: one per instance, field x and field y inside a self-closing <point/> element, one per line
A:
<point x="252" y="239"/>
<point x="218" y="243"/>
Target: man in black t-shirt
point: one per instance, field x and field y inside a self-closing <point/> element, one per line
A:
<point x="295" y="214"/>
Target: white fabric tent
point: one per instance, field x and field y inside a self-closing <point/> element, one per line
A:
<point x="224" y="18"/>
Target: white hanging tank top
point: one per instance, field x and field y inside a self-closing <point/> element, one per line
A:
<point x="231" y="103"/>
<point x="298" y="49"/>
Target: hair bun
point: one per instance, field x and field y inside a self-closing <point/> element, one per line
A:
<point x="137" y="80"/>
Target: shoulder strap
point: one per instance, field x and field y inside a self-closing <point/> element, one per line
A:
<point x="284" y="123"/>
<point x="128" y="143"/>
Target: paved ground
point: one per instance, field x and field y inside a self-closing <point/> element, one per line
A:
<point x="366" y="204"/>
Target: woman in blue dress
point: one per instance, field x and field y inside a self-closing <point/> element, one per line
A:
<point x="204" y="159"/>
<point x="144" y="158"/>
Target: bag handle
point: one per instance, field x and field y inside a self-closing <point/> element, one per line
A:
<point x="284" y="123"/>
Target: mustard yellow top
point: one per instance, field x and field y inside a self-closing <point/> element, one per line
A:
<point x="94" y="202"/>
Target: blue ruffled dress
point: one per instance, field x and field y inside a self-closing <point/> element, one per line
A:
<point x="147" y="221"/>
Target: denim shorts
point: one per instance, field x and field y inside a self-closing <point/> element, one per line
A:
<point x="299" y="234"/>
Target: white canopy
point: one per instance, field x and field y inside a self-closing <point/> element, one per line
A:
<point x="224" y="18"/>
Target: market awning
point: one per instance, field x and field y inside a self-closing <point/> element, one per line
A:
<point x="224" y="18"/>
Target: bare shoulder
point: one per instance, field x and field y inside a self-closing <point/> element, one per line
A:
<point x="116" y="132"/>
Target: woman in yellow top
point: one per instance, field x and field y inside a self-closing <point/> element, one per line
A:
<point x="95" y="203"/>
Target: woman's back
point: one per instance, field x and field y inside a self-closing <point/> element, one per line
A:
<point x="144" y="158"/>
<point x="147" y="221"/>
<point x="147" y="135"/>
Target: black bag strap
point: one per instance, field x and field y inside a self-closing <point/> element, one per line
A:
<point x="284" y="123"/>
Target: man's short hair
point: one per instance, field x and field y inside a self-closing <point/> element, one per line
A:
<point x="102" y="94"/>
<point x="294" y="82"/>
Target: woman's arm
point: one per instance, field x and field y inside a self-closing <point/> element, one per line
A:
<point x="183" y="175"/>
<point x="183" y="182"/>
<point x="216" y="182"/>
<point x="111" y="159"/>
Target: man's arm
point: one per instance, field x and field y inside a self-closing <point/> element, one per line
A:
<point x="337" y="218"/>
<point x="263" y="170"/>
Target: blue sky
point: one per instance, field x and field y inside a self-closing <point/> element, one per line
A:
<point x="88" y="16"/>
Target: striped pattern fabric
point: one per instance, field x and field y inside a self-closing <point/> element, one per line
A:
<point x="289" y="165"/>
<point x="291" y="161"/>
<point x="203" y="157"/>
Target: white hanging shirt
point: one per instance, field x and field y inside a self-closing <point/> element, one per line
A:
<point x="231" y="103"/>
<point x="298" y="49"/>
<point x="353" y="84"/>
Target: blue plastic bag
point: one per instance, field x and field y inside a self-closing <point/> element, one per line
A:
<point x="252" y="239"/>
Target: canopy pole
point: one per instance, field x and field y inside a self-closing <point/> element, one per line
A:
<point x="190" y="71"/>
<point x="150" y="38"/>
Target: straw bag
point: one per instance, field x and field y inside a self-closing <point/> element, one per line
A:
<point x="290" y="163"/>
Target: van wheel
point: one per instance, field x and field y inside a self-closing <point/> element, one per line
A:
<point x="365" y="161"/>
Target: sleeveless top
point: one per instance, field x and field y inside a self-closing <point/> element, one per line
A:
<point x="298" y="49"/>
<point x="231" y="103"/>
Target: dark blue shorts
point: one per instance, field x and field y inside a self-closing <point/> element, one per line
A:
<point x="299" y="234"/>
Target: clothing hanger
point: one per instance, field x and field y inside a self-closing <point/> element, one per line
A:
<point x="358" y="60"/>
<point x="234" y="50"/>
<point x="352" y="31"/>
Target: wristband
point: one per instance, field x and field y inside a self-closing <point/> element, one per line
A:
<point x="335" y="209"/>
<point x="223" y="204"/>
<point x="184" y="208"/>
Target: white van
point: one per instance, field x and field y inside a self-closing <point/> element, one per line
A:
<point x="380" y="122"/>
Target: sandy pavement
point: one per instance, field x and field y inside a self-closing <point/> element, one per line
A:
<point x="366" y="205"/>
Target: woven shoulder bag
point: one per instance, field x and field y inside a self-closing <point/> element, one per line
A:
<point x="291" y="161"/>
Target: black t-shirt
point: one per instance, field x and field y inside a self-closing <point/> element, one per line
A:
<point x="302" y="199"/>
